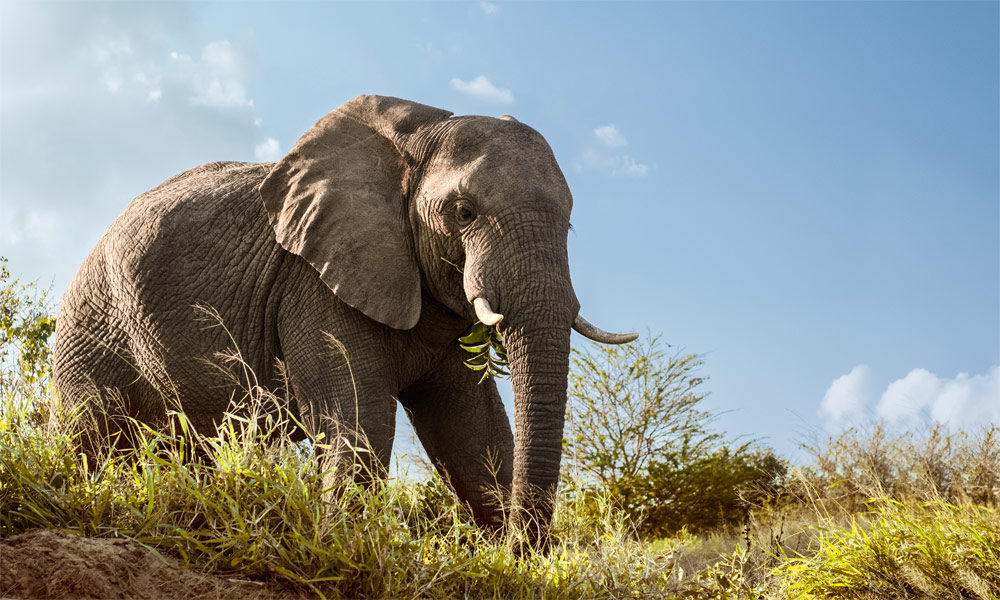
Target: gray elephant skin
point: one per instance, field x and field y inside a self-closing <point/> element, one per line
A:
<point x="354" y="235"/>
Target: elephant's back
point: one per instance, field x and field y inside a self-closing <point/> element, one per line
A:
<point x="210" y="197"/>
<point x="167" y="237"/>
<point x="193" y="241"/>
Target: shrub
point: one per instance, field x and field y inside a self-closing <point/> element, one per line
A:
<point x="635" y="429"/>
<point x="930" y="464"/>
<point x="26" y="326"/>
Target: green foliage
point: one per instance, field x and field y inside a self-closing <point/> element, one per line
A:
<point x="704" y="492"/>
<point x="26" y="326"/>
<point x="486" y="344"/>
<point x="635" y="429"/>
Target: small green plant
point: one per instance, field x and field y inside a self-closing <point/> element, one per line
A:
<point x="486" y="344"/>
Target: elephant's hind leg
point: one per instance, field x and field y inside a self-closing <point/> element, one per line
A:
<point x="464" y="428"/>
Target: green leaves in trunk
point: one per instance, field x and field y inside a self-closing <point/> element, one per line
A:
<point x="486" y="344"/>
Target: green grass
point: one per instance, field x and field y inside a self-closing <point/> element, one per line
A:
<point x="253" y="505"/>
<point x="904" y="550"/>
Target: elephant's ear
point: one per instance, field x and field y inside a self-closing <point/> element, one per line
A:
<point x="336" y="200"/>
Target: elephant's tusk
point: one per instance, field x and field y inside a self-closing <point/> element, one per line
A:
<point x="584" y="328"/>
<point x="485" y="312"/>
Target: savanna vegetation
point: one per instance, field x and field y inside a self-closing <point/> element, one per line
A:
<point x="655" y="502"/>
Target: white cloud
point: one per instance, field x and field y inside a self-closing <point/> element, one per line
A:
<point x="152" y="84"/>
<point x="610" y="136"/>
<point x="488" y="7"/>
<point x="483" y="89"/>
<point x="268" y="150"/>
<point x="601" y="153"/>
<point x="921" y="396"/>
<point x="220" y="56"/>
<point x="217" y="79"/>
<point x="629" y="168"/>
<point x="112" y="82"/>
<point x="964" y="400"/>
<point x="28" y="225"/>
<point x="57" y="100"/>
<point x="908" y="398"/>
<point x="846" y="400"/>
<point x="219" y="93"/>
<point x="110" y="49"/>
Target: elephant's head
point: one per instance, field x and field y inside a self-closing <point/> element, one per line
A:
<point x="385" y="197"/>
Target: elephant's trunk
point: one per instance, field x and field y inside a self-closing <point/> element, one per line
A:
<point x="539" y="360"/>
<point x="539" y="307"/>
<point x="528" y="286"/>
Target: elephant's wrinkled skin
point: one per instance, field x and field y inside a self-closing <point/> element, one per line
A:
<point x="351" y="235"/>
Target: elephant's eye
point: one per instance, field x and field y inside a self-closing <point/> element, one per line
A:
<point x="465" y="212"/>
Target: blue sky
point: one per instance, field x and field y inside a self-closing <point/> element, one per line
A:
<point x="807" y="193"/>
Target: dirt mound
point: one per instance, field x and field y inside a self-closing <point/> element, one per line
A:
<point x="45" y="563"/>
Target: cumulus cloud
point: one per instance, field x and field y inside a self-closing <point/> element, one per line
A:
<point x="602" y="153"/>
<point x="963" y="400"/>
<point x="267" y="150"/>
<point x="483" y="89"/>
<point x="921" y="396"/>
<point x="847" y="399"/>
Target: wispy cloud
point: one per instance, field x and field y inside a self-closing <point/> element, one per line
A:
<point x="489" y="7"/>
<point x="610" y="136"/>
<point x="920" y="396"/>
<point x="602" y="153"/>
<point x="122" y="69"/>
<point x="629" y="167"/>
<point x="139" y="113"/>
<point x="267" y="150"/>
<point x="112" y="54"/>
<point x="215" y="80"/>
<point x="483" y="89"/>
<point x="19" y="225"/>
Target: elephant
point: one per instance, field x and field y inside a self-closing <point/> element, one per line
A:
<point x="387" y="230"/>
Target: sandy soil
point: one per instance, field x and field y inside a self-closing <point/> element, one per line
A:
<point x="52" y="564"/>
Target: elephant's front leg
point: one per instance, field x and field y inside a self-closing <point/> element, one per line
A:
<point x="337" y="374"/>
<point x="464" y="428"/>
